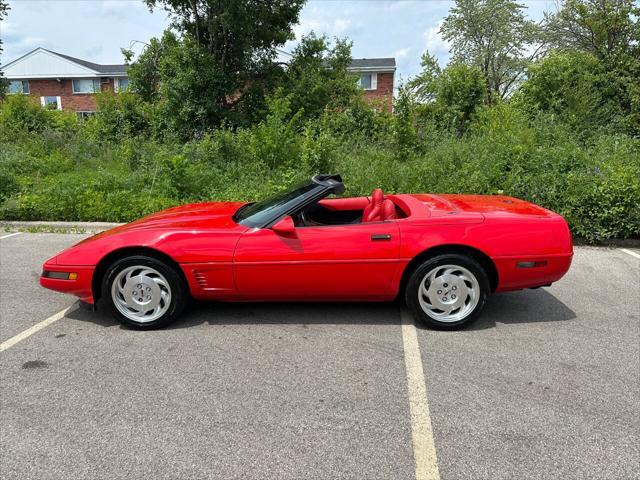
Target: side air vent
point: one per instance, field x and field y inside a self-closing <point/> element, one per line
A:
<point x="212" y="278"/>
<point x="201" y="278"/>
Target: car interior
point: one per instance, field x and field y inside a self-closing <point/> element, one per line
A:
<point x="346" y="211"/>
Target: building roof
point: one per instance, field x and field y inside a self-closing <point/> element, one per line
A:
<point x="115" y="69"/>
<point x="387" y="64"/>
<point x="367" y="63"/>
<point x="43" y="63"/>
<point x="357" y="64"/>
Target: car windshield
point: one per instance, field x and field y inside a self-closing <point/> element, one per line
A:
<point x="260" y="213"/>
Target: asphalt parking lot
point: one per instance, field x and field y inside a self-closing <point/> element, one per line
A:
<point x="545" y="385"/>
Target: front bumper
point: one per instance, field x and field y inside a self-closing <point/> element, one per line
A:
<point x="79" y="286"/>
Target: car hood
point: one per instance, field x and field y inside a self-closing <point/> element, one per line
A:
<point x="209" y="215"/>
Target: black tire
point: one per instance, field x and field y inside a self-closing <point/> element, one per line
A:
<point x="418" y="275"/>
<point x="177" y="285"/>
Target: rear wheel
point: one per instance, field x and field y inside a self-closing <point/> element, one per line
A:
<point x="143" y="292"/>
<point x="448" y="291"/>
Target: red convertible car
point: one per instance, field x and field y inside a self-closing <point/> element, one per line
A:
<point x="443" y="253"/>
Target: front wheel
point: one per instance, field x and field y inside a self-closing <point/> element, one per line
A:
<point x="143" y="292"/>
<point x="447" y="292"/>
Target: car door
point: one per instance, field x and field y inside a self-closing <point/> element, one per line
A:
<point x="355" y="262"/>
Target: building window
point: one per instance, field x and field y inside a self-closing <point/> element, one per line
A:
<point x="368" y="81"/>
<point x="84" y="115"/>
<point x="19" y="86"/>
<point x="51" y="103"/>
<point x="121" y="84"/>
<point x="86" y="85"/>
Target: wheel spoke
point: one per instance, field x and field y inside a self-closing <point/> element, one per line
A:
<point x="424" y="292"/>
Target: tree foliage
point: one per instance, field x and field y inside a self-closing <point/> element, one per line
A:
<point x="227" y="49"/>
<point x="240" y="36"/>
<point x="317" y="76"/>
<point x="494" y="36"/>
<point x="172" y="72"/>
<point x="424" y="85"/>
<point x="144" y="73"/>
<point x="609" y="30"/>
<point x="449" y="97"/>
<point x="577" y="87"/>
<point x="600" y="27"/>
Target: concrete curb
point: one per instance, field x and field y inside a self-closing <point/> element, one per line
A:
<point x="58" y="227"/>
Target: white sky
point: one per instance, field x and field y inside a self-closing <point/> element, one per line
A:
<point x="95" y="30"/>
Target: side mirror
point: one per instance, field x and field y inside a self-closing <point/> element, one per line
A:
<point x="285" y="227"/>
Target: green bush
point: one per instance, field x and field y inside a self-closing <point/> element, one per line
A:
<point x="578" y="88"/>
<point x="458" y="91"/>
<point x="120" y="116"/>
<point x="21" y="115"/>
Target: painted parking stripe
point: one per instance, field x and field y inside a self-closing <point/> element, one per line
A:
<point x="630" y="252"/>
<point x="424" y="449"/>
<point x="30" y="331"/>
<point x="10" y="235"/>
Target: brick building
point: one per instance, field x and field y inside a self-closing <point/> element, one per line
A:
<point x="68" y="83"/>
<point x="63" y="82"/>
<point x="376" y="79"/>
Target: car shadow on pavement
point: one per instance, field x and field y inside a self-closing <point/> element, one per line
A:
<point x="290" y="313"/>
<point x="525" y="306"/>
<point x="285" y="313"/>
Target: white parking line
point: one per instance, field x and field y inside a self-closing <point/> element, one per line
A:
<point x="30" y="331"/>
<point x="10" y="235"/>
<point x="424" y="449"/>
<point x="630" y="252"/>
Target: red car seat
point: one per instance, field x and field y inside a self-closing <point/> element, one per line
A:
<point x="388" y="210"/>
<point x="373" y="211"/>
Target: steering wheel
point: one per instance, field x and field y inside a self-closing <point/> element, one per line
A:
<point x="303" y="217"/>
<point x="306" y="221"/>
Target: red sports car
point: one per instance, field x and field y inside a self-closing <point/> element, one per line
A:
<point x="443" y="253"/>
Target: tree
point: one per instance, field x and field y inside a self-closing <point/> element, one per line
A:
<point x="4" y="8"/>
<point x="404" y="130"/>
<point x="449" y="96"/>
<point x="424" y="85"/>
<point x="600" y="27"/>
<point x="215" y="65"/>
<point x="240" y="36"/>
<point x="609" y="31"/>
<point x="187" y="85"/>
<point x="144" y="75"/>
<point x="576" y="87"/>
<point x="317" y="76"/>
<point x="494" y="36"/>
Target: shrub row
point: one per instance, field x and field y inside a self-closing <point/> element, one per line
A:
<point x="54" y="168"/>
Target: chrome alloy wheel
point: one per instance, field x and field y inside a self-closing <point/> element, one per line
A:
<point x="141" y="293"/>
<point x="449" y="293"/>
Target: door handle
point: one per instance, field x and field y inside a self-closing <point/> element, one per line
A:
<point x="382" y="237"/>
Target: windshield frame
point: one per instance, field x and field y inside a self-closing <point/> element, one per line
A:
<point x="317" y="188"/>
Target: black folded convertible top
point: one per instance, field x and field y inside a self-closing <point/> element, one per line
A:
<point x="329" y="180"/>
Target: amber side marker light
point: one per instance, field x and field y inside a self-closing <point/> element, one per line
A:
<point x="542" y="263"/>
<point x="60" y="275"/>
